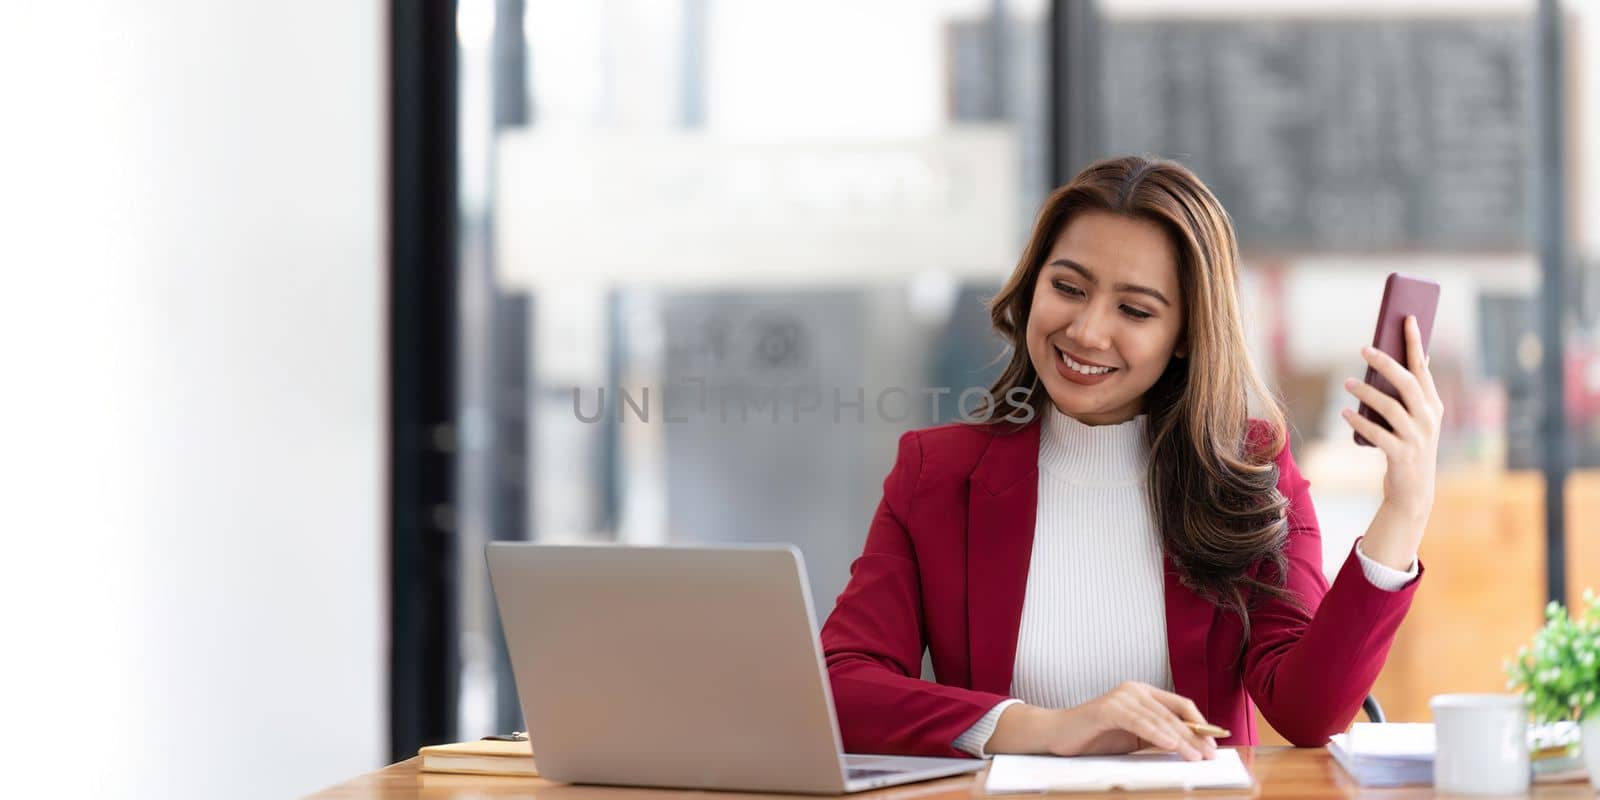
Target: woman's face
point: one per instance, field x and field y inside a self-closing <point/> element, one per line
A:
<point x="1107" y="316"/>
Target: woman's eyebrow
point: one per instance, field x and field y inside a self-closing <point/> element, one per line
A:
<point x="1121" y="287"/>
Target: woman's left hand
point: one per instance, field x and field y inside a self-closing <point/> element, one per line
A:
<point x="1411" y="448"/>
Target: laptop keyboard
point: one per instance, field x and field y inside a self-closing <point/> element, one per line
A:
<point x="866" y="772"/>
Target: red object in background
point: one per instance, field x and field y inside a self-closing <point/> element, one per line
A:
<point x="1275" y="287"/>
<point x="1581" y="372"/>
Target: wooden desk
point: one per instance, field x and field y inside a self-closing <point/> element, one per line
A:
<point x="1279" y="772"/>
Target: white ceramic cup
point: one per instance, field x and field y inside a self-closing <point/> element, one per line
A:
<point x="1482" y="744"/>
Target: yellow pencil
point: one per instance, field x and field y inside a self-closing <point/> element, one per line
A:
<point x="1207" y="729"/>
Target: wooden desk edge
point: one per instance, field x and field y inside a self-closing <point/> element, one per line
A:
<point x="1278" y="771"/>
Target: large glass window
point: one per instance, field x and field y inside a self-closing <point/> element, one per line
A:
<point x="720" y="264"/>
<point x="717" y="256"/>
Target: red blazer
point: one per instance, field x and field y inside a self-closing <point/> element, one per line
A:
<point x="945" y="567"/>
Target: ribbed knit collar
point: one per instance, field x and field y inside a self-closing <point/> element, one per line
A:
<point x="1093" y="454"/>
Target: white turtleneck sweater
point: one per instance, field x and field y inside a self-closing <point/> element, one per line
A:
<point x="1094" y="613"/>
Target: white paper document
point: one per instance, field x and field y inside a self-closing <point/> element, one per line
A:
<point x="1136" y="772"/>
<point x="1388" y="754"/>
<point x="1403" y="740"/>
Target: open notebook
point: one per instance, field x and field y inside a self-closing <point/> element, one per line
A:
<point x="1136" y="772"/>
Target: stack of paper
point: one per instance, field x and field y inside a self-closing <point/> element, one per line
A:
<point x="1138" y="772"/>
<point x="1386" y="754"/>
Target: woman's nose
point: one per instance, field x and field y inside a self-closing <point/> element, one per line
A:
<point x="1090" y="330"/>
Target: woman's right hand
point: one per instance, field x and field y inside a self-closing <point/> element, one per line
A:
<point x="1131" y="717"/>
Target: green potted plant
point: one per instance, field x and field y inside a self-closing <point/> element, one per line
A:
<point x="1559" y="674"/>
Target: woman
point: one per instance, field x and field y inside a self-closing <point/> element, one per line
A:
<point x="1132" y="552"/>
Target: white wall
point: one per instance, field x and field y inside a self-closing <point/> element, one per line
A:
<point x="192" y="578"/>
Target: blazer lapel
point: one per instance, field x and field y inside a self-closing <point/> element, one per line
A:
<point x="1189" y="618"/>
<point x="1001" y="504"/>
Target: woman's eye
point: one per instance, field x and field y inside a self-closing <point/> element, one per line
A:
<point x="1071" y="290"/>
<point x="1136" y="313"/>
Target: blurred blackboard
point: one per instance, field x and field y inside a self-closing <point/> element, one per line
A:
<point x="1336" y="135"/>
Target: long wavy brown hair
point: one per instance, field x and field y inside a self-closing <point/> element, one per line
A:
<point x="1213" y="480"/>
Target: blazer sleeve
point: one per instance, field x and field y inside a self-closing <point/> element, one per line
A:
<point x="874" y="640"/>
<point x="1310" y="668"/>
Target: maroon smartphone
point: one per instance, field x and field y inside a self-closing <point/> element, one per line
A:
<point x="1403" y="296"/>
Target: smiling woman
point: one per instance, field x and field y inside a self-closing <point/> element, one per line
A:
<point x="1138" y="556"/>
<point x="1125" y="302"/>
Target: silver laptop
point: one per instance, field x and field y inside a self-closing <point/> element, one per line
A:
<point x="688" y="667"/>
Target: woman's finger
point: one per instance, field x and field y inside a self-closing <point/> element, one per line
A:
<point x="1419" y="361"/>
<point x="1130" y="712"/>
<point x="1398" y="416"/>
<point x="1430" y="388"/>
<point x="1372" y="432"/>
<point x="1190" y="744"/>
<point x="1187" y="711"/>
<point x="1398" y="376"/>
<point x="1180" y="705"/>
<point x="1138" y="720"/>
<point x="1415" y="358"/>
<point x="1150" y="727"/>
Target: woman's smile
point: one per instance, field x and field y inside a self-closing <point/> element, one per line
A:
<point x="1082" y="371"/>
